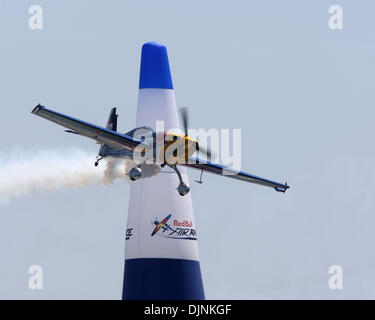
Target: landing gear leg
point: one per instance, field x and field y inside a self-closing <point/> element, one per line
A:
<point x="183" y="188"/>
<point x="97" y="161"/>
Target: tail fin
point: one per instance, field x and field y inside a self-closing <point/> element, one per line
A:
<point x="112" y="120"/>
<point x="111" y="125"/>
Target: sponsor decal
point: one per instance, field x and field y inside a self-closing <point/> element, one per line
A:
<point x="174" y="229"/>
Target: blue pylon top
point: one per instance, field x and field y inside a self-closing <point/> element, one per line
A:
<point x="155" y="72"/>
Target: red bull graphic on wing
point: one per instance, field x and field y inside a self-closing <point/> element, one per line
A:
<point x="175" y="229"/>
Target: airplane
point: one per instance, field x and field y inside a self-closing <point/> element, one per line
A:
<point x="115" y="144"/>
<point x="161" y="225"/>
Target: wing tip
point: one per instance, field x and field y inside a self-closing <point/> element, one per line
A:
<point x="37" y="109"/>
<point x="282" y="188"/>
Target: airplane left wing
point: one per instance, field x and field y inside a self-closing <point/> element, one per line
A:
<point x="101" y="135"/>
<point x="230" y="173"/>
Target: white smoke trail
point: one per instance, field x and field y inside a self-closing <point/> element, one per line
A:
<point x="24" y="173"/>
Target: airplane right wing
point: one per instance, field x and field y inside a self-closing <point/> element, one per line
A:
<point x="101" y="135"/>
<point x="221" y="170"/>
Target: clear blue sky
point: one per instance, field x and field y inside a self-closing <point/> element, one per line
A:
<point x="302" y="94"/>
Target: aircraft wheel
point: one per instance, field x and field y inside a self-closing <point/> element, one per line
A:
<point x="183" y="189"/>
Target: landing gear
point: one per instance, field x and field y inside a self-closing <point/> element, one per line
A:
<point x="97" y="161"/>
<point x="183" y="188"/>
<point x="135" y="173"/>
<point x="200" y="179"/>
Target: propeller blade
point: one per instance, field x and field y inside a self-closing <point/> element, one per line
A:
<point x="185" y="119"/>
<point x="207" y="152"/>
<point x="184" y="112"/>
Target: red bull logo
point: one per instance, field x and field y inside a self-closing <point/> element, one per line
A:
<point x="179" y="230"/>
<point x="185" y="223"/>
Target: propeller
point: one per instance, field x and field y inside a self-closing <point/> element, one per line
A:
<point x="184" y="112"/>
<point x="185" y="119"/>
<point x="206" y="151"/>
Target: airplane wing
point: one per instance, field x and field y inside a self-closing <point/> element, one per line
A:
<point x="233" y="174"/>
<point x="101" y="135"/>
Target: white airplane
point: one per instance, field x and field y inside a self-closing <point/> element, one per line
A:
<point x="115" y="144"/>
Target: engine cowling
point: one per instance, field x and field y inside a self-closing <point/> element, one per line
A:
<point x="135" y="174"/>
